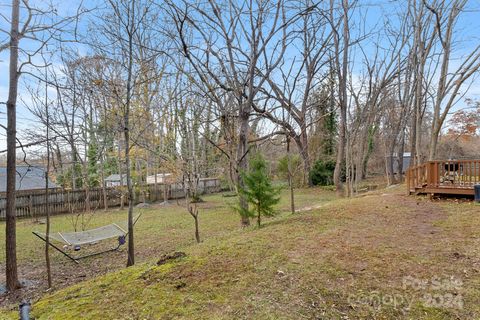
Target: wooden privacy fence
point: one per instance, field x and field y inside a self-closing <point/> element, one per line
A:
<point x="444" y="176"/>
<point x="33" y="203"/>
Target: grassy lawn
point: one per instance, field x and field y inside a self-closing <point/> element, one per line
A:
<point x="160" y="229"/>
<point x="158" y="225"/>
<point x="379" y="256"/>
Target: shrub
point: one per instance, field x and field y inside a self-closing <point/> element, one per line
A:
<point x="322" y="172"/>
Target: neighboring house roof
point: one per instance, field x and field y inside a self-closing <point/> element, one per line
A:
<point x="28" y="178"/>
<point x="113" y="177"/>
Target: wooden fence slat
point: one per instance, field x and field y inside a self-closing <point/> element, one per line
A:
<point x="33" y="204"/>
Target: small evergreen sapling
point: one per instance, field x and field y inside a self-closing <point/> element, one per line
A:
<point x="258" y="190"/>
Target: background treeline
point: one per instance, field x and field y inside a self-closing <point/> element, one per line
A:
<point x="211" y="80"/>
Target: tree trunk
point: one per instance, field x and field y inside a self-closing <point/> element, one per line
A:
<point x="10" y="215"/>
<point x="155" y="172"/>
<point x="197" y="232"/>
<point x="413" y="138"/>
<point x="433" y="143"/>
<point x="120" y="174"/>
<point x="390" y="163"/>
<point x="104" y="189"/>
<point x="58" y="155"/>
<point x="361" y="159"/>
<point x="387" y="173"/>
<point x="242" y="150"/>
<point x="259" y="218"/>
<point x="342" y="84"/>
<point x="74" y="163"/>
<point x="305" y="156"/>
<point x="47" y="200"/>
<point x="337" y="174"/>
<point x="418" y="133"/>
<point x="88" y="207"/>
<point x="400" y="156"/>
<point x="131" y="246"/>
<point x="290" y="177"/>
<point x="360" y="165"/>
<point x="419" y="95"/>
<point x="47" y="229"/>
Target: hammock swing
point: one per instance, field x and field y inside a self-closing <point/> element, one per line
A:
<point x="92" y="236"/>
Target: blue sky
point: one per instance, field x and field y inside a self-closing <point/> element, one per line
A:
<point x="375" y="11"/>
<point x="24" y="117"/>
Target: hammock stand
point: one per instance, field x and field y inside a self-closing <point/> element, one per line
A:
<point x="75" y="239"/>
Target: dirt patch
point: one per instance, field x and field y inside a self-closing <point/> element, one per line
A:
<point x="171" y="256"/>
<point x="309" y="208"/>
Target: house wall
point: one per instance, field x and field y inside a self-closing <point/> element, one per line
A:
<point x="112" y="183"/>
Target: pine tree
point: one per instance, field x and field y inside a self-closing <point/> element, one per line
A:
<point x="258" y="190"/>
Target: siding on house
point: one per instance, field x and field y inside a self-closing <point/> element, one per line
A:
<point x="113" y="180"/>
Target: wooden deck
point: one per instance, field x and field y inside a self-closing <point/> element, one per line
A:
<point x="444" y="177"/>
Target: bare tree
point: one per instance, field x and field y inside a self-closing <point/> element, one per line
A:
<point x="235" y="39"/>
<point x="47" y="187"/>
<point x="40" y="25"/>
<point x="295" y="80"/>
<point x="381" y="67"/>
<point x="189" y="123"/>
<point x="11" y="247"/>
<point x="450" y="80"/>
<point x="341" y="48"/>
<point x="122" y="42"/>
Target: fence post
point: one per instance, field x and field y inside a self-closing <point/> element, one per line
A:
<point x="30" y="205"/>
